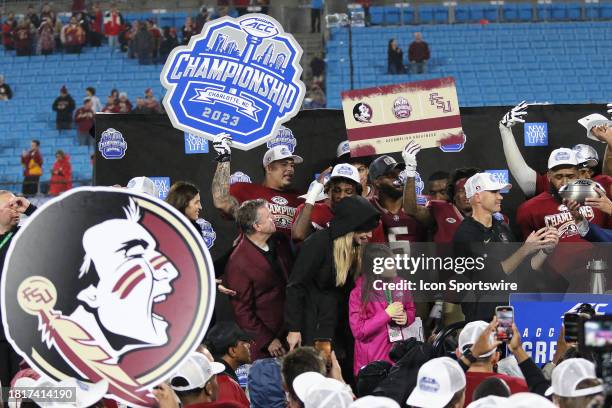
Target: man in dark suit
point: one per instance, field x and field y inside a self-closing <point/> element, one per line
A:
<point x="257" y="270"/>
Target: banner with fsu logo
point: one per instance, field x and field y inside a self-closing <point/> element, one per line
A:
<point x="384" y="119"/>
<point x="103" y="284"/>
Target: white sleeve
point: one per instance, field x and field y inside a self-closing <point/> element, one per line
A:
<point x="524" y="175"/>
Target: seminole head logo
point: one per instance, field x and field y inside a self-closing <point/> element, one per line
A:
<point x="239" y="76"/>
<point x="120" y="291"/>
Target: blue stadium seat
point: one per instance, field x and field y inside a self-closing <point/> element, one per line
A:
<point x="392" y="15"/>
<point x="544" y="12"/>
<point x="606" y="11"/>
<point x="377" y="15"/>
<point x="426" y="14"/>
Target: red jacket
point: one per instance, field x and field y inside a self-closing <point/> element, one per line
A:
<point x="61" y="176"/>
<point x="260" y="300"/>
<point x="229" y="390"/>
<point x="113" y="23"/>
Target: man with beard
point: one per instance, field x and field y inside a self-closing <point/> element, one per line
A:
<point x="279" y="168"/>
<point x="384" y="174"/>
<point x="547" y="210"/>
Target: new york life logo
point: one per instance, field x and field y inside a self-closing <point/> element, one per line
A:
<point x="536" y="134"/>
<point x="162" y="184"/>
<point x="195" y="144"/>
<point x="240" y="76"/>
<point x="502" y="176"/>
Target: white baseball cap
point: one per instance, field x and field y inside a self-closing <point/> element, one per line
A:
<point x="586" y="155"/>
<point x="470" y="334"/>
<point x="85" y="394"/>
<point x="197" y="370"/>
<point x="143" y="185"/>
<point x="343" y="148"/>
<point x="480" y="182"/>
<point x="562" y="156"/>
<point x="437" y="382"/>
<point x="322" y="196"/>
<point x="529" y="400"/>
<point x="567" y="375"/>
<point x="372" y="401"/>
<point x="280" y="152"/>
<point x="346" y="170"/>
<point x="592" y="120"/>
<point x="491" y="401"/>
<point x="317" y="391"/>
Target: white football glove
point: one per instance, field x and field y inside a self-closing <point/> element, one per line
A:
<point x="515" y="115"/>
<point x="610" y="110"/>
<point x="409" y="155"/>
<point x="221" y="144"/>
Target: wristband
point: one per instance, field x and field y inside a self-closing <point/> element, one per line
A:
<point x="313" y="193"/>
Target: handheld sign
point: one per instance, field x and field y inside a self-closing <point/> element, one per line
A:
<point x="239" y="76"/>
<point x="107" y="284"/>
<point x="384" y="119"/>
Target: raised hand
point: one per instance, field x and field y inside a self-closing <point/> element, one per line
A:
<point x="221" y="144"/>
<point x="409" y="155"/>
<point x="515" y="115"/>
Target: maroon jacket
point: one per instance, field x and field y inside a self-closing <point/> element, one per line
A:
<point x="418" y="51"/>
<point x="260" y="300"/>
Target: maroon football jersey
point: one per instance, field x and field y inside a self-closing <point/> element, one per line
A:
<point x="282" y="204"/>
<point x="400" y="226"/>
<point x="544" y="211"/>
<point x="448" y="218"/>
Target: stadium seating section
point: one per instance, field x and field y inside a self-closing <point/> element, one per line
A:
<point x="36" y="82"/>
<point x="493" y="64"/>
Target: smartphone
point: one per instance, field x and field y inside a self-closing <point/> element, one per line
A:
<point x="324" y="346"/>
<point x="571" y="323"/>
<point x="505" y="319"/>
<point x="596" y="333"/>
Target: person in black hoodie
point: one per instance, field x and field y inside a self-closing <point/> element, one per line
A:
<point x="323" y="276"/>
<point x="11" y="208"/>
<point x="64" y="106"/>
<point x="395" y="57"/>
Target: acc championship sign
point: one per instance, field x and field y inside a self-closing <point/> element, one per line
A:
<point x="124" y="296"/>
<point x="539" y="318"/>
<point x="239" y="76"/>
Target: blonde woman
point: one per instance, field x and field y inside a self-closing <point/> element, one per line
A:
<point x="323" y="276"/>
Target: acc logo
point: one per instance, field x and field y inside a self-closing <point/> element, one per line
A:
<point x="451" y="220"/>
<point x="362" y="112"/>
<point x="208" y="233"/>
<point x="428" y="384"/>
<point x="112" y="145"/>
<point x="162" y="185"/>
<point x="239" y="177"/>
<point x="106" y="309"/>
<point x="345" y="170"/>
<point x="279" y="200"/>
<point x="240" y="76"/>
<point x="283" y="137"/>
<point x="402" y="108"/>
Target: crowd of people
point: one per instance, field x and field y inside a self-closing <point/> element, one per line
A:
<point x="301" y="274"/>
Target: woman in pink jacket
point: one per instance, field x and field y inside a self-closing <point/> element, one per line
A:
<point x="377" y="316"/>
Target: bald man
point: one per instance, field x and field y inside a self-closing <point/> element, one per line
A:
<point x="11" y="208"/>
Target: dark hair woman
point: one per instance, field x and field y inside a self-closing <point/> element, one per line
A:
<point x="395" y="57"/>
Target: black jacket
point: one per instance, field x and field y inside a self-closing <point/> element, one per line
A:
<point x="64" y="106"/>
<point x="315" y="306"/>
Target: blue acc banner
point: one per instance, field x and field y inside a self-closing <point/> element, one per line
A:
<point x="239" y="76"/>
<point x="539" y="317"/>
